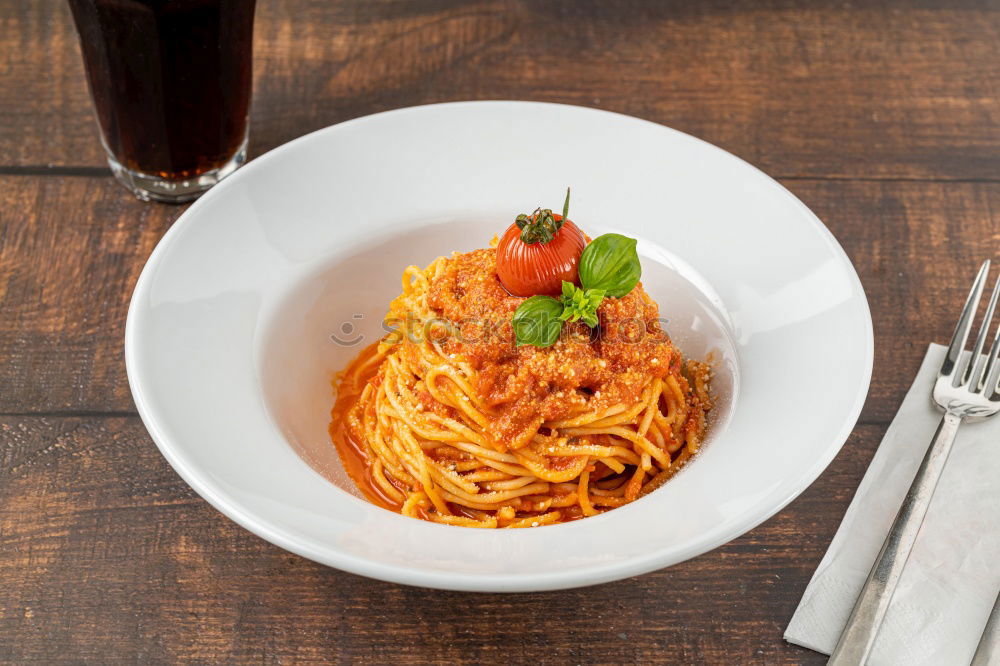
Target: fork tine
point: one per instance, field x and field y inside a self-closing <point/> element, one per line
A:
<point x="961" y="335"/>
<point x="992" y="369"/>
<point x="978" y="364"/>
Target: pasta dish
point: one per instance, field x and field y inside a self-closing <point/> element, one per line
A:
<point x="524" y="384"/>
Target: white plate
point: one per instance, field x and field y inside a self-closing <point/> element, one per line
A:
<point x="230" y="355"/>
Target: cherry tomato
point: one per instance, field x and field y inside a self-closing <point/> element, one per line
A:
<point x="539" y="268"/>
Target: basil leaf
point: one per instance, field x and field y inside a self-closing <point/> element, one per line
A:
<point x="610" y="263"/>
<point x="568" y="289"/>
<point x="580" y="303"/>
<point x="536" y="321"/>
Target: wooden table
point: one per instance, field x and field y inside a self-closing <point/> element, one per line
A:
<point x="882" y="117"/>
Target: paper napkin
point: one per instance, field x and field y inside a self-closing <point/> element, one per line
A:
<point x="952" y="576"/>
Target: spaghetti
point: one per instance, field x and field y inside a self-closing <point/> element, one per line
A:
<point x="446" y="420"/>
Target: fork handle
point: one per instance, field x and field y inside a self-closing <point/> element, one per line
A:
<point x="988" y="651"/>
<point x="859" y="635"/>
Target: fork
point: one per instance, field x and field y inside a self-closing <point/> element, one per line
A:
<point x="965" y="389"/>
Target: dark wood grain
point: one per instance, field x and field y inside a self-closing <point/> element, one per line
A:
<point x="800" y="88"/>
<point x="67" y="272"/>
<point x="71" y="250"/>
<point x="108" y="556"/>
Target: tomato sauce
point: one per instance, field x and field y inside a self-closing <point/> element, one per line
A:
<point x="584" y="371"/>
<point x="352" y="453"/>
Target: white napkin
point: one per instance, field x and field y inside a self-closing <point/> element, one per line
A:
<point x="951" y="578"/>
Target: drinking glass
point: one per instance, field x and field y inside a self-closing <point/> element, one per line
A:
<point x="171" y="82"/>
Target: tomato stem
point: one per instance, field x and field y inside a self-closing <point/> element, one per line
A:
<point x="541" y="226"/>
